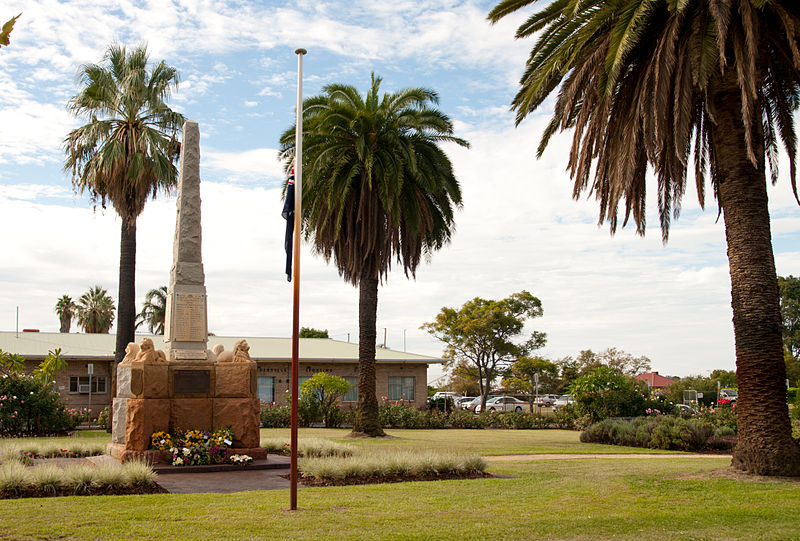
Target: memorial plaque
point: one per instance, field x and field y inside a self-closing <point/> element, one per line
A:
<point x="191" y="382"/>
<point x="189" y="321"/>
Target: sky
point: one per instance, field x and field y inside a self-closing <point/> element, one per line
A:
<point x="519" y="228"/>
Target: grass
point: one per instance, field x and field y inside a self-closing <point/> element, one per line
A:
<point x="309" y="447"/>
<point x="481" y="442"/>
<point x="574" y="499"/>
<point x="16" y="478"/>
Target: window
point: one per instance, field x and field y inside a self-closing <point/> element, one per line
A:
<point x="80" y="384"/>
<point x="402" y="387"/>
<point x="266" y="388"/>
<point x="352" y="394"/>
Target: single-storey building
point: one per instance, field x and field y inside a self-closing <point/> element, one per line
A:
<point x="86" y="382"/>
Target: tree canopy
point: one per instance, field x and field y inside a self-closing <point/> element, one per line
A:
<point x="309" y="332"/>
<point x="483" y="333"/>
<point x="789" y="289"/>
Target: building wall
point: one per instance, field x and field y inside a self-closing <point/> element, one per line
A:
<point x="79" y="368"/>
<point x="282" y="374"/>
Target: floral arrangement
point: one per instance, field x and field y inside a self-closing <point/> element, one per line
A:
<point x="197" y="447"/>
<point x="161" y="441"/>
<point x="241" y="460"/>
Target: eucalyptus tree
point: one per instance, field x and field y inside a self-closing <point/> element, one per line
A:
<point x="673" y="84"/>
<point x="154" y="310"/>
<point x="125" y="153"/>
<point x="65" y="310"/>
<point x="95" y="311"/>
<point x="377" y="188"/>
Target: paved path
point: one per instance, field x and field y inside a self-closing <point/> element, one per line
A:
<point x="567" y="456"/>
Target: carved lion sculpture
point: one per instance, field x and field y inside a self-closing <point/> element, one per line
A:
<point x="241" y="352"/>
<point x="148" y="354"/>
<point x="131" y="351"/>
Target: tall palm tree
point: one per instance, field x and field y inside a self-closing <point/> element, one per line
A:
<point x="125" y="154"/>
<point x="154" y="310"/>
<point x="65" y="309"/>
<point x="96" y="311"/>
<point x="659" y="82"/>
<point x="376" y="188"/>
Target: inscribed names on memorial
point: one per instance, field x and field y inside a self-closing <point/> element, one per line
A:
<point x="189" y="319"/>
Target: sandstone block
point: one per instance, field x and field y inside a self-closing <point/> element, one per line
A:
<point x="234" y="380"/>
<point x="118" y="422"/>
<point x="123" y="381"/>
<point x="242" y="415"/>
<point x="145" y="416"/>
<point x="155" y="381"/>
<point x="191" y="413"/>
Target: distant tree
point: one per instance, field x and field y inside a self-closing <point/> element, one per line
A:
<point x="5" y="33"/>
<point x="323" y="391"/>
<point x="607" y="392"/>
<point x="482" y="331"/>
<point x="726" y="378"/>
<point x="125" y="153"/>
<point x="11" y="363"/>
<point x="96" y="311"/>
<point x="789" y="288"/>
<point x="308" y="332"/>
<point x="154" y="310"/>
<point x="792" y="368"/>
<point x="523" y="376"/>
<point x="65" y="309"/>
<point x="464" y="379"/>
<point x="52" y="363"/>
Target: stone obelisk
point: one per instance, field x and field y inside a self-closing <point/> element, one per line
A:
<point x="186" y="321"/>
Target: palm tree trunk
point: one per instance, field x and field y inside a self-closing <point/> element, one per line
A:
<point x="66" y="322"/>
<point x="367" y="421"/>
<point x="765" y="445"/>
<point x="126" y="306"/>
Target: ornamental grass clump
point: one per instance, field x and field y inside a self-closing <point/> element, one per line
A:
<point x="14" y="477"/>
<point x="308" y="447"/>
<point x="48" y="478"/>
<point x="390" y="466"/>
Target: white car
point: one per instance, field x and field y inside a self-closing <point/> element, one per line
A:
<point x="546" y="399"/>
<point x="563" y="400"/>
<point x="503" y="403"/>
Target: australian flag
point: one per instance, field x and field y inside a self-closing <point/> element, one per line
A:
<point x="288" y="215"/>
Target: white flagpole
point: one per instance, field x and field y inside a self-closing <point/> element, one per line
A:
<point x="298" y="205"/>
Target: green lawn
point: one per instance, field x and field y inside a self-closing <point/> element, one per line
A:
<point x="482" y="442"/>
<point x="574" y="499"/>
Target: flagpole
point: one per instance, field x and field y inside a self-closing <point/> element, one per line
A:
<point x="298" y="205"/>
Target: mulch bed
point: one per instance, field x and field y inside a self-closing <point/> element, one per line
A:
<point x="313" y="482"/>
<point x="94" y="491"/>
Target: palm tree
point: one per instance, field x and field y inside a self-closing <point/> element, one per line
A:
<point x="96" y="311"/>
<point x="154" y="310"/>
<point x="125" y="153"/>
<point x="377" y="187"/>
<point x="65" y="309"/>
<point x="658" y="82"/>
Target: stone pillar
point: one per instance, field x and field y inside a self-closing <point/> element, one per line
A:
<point x="186" y="322"/>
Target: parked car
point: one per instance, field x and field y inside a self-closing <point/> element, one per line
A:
<point x="563" y="400"/>
<point x="728" y="394"/>
<point x="463" y="400"/>
<point x="546" y="399"/>
<point x="470" y="404"/>
<point x="443" y="394"/>
<point x="503" y="403"/>
<point x="685" y="409"/>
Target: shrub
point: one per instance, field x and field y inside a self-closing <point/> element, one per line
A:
<point x="275" y="416"/>
<point x="607" y="392"/>
<point x="320" y="396"/>
<point x="30" y="407"/>
<point x="104" y="419"/>
<point x="661" y="432"/>
<point x="467" y="419"/>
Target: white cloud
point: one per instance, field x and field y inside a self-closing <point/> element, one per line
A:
<point x="245" y="165"/>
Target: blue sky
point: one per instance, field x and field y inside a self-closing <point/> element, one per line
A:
<point x="519" y="228"/>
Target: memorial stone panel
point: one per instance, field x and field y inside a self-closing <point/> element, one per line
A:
<point x="191" y="382"/>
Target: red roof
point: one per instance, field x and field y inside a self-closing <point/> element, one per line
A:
<point x="653" y="380"/>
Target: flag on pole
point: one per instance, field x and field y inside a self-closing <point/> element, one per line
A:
<point x="288" y="215"/>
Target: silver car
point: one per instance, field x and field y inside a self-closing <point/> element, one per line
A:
<point x="503" y="403"/>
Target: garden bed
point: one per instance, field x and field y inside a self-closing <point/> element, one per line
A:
<point x="34" y="492"/>
<point x="391" y="478"/>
